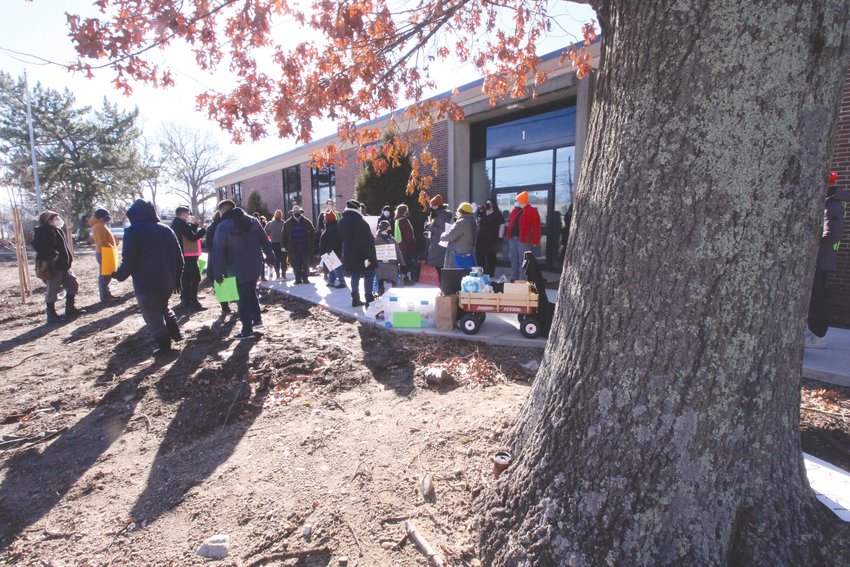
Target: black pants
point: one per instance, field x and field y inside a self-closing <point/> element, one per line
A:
<point x="190" y="280"/>
<point x="300" y="261"/>
<point x="486" y="260"/>
<point x="818" y="307"/>
<point x="249" y="305"/>
<point x="279" y="258"/>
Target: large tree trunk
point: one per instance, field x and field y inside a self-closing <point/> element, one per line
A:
<point x="663" y="427"/>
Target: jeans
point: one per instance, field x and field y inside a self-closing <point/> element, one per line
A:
<point x="102" y="281"/>
<point x="368" y="282"/>
<point x="487" y="260"/>
<point x="249" y="305"/>
<point x="60" y="279"/>
<point x="516" y="251"/>
<point x="818" y="307"/>
<point x="155" y="312"/>
<point x="335" y="276"/>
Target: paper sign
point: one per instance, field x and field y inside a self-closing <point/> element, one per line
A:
<point x="202" y="262"/>
<point x="191" y="248"/>
<point x="386" y="252"/>
<point x="331" y="261"/>
<point x="108" y="260"/>
<point x="226" y="291"/>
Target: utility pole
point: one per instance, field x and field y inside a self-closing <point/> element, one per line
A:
<point x="36" y="184"/>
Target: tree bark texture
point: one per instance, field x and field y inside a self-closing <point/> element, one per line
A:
<point x="663" y="427"/>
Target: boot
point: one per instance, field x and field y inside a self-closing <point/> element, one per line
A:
<point x="369" y="299"/>
<point x="52" y="315"/>
<point x="225" y="309"/>
<point x="70" y="309"/>
<point x="164" y="344"/>
<point x="173" y="330"/>
<point x="355" y="300"/>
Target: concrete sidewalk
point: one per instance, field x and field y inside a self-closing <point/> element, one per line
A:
<point x="831" y="364"/>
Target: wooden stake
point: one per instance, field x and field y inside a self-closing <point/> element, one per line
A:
<point x="21" y="255"/>
<point x="422" y="544"/>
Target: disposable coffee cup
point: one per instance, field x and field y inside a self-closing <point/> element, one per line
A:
<point x="501" y="461"/>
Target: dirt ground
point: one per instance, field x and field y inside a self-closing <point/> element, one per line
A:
<point x="150" y="457"/>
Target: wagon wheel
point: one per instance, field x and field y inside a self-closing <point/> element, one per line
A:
<point x="470" y="324"/>
<point x="521" y="317"/>
<point x="530" y="327"/>
<point x="481" y="317"/>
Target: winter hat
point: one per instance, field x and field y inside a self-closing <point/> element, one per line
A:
<point x="330" y="216"/>
<point x="523" y="197"/>
<point x="465" y="208"/>
<point x="101" y="214"/>
<point x="296" y="209"/>
<point x="227" y="203"/>
<point x="353" y="204"/>
<point x="437" y="201"/>
<point x="387" y="208"/>
<point x="384" y="225"/>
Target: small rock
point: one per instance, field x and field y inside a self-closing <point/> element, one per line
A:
<point x="387" y="544"/>
<point x="308" y="529"/>
<point x="457" y="473"/>
<point x="531" y="365"/>
<point x="426" y="485"/>
<point x="215" y="547"/>
<point x="343" y="561"/>
<point x="368" y="412"/>
<point x="437" y="376"/>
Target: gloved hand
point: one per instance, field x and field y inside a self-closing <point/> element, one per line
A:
<point x="219" y="279"/>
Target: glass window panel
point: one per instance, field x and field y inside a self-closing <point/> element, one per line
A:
<point x="525" y="169"/>
<point x="532" y="133"/>
<point x="482" y="181"/>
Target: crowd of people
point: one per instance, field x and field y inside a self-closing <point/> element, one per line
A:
<point x="164" y="259"/>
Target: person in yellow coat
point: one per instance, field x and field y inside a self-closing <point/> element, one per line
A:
<point x="103" y="238"/>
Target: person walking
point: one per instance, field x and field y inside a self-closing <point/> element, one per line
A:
<point x="388" y="270"/>
<point x="488" y="243"/>
<point x="830" y="240"/>
<point x="103" y="238"/>
<point x="330" y="241"/>
<point x="189" y="236"/>
<point x="208" y="243"/>
<point x="523" y="232"/>
<point x="274" y="230"/>
<point x="238" y="250"/>
<point x="152" y="255"/>
<point x="406" y="239"/>
<point x="53" y="252"/>
<point x="358" y="252"/>
<point x="438" y="218"/>
<point x="298" y="238"/>
<point x="461" y="239"/>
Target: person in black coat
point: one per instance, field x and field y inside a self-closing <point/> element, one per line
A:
<point x="488" y="243"/>
<point x="358" y="252"/>
<point x="238" y="249"/>
<point x="330" y="241"/>
<point x="52" y="247"/>
<point x="208" y="244"/>
<point x="152" y="256"/>
<point x="189" y="235"/>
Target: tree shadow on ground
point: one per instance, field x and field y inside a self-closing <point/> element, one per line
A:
<point x="32" y="335"/>
<point x="37" y="480"/>
<point x="99" y="325"/>
<point x="214" y="415"/>
<point x="390" y="363"/>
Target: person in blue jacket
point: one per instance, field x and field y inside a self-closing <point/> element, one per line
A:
<point x="238" y="249"/>
<point x="152" y="256"/>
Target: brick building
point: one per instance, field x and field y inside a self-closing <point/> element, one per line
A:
<point x="534" y="144"/>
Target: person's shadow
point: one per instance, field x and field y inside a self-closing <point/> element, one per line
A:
<point x="36" y="480"/>
<point x="190" y="452"/>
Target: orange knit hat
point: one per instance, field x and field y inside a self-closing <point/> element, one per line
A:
<point x="437" y="201"/>
<point x="523" y="197"/>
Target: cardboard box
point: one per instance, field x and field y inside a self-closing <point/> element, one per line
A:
<point x="446" y="312"/>
<point x="407" y="319"/>
<point x="518" y="287"/>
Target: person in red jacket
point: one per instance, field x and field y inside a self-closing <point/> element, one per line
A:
<point x="523" y="232"/>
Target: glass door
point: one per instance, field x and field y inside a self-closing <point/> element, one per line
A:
<point x="539" y="198"/>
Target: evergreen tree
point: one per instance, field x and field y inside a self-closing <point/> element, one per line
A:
<point x="255" y="205"/>
<point x="385" y="183"/>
